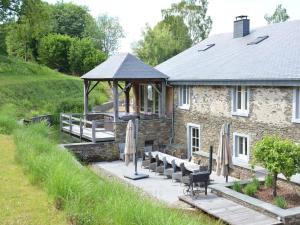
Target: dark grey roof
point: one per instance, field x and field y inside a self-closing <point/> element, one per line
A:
<point x="123" y="66"/>
<point x="276" y="58"/>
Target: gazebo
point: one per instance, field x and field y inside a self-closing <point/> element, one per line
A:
<point x="124" y="73"/>
<point x="127" y="70"/>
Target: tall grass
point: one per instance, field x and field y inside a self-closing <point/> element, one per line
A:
<point x="86" y="197"/>
<point x="8" y="119"/>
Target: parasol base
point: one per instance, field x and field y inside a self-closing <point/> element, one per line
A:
<point x="136" y="176"/>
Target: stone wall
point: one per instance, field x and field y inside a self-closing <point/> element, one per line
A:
<point x="156" y="130"/>
<point x="94" y="152"/>
<point x="270" y="113"/>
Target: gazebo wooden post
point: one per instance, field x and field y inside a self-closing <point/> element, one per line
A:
<point x="116" y="100"/>
<point x="162" y="98"/>
<point x="86" y="98"/>
<point x="127" y="98"/>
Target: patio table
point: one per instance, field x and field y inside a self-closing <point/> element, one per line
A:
<point x="188" y="165"/>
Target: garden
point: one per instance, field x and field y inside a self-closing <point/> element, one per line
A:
<point x="273" y="192"/>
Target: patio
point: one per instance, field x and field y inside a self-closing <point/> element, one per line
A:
<point x="156" y="185"/>
<point x="171" y="193"/>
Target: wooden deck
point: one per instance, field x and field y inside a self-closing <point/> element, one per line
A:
<point x="100" y="135"/>
<point x="229" y="211"/>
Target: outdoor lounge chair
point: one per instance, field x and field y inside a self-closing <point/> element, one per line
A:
<point x="153" y="164"/>
<point x="146" y="160"/>
<point x="169" y="169"/>
<point x="177" y="175"/>
<point x="160" y="167"/>
<point x="185" y="178"/>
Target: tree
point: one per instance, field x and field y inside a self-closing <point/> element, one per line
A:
<point x="108" y="34"/>
<point x="193" y="13"/>
<point x="54" y="51"/>
<point x="70" y="19"/>
<point x="277" y="156"/>
<point x="83" y="56"/>
<point x="23" y="36"/>
<point x="9" y="9"/>
<point x="280" y="15"/>
<point x="168" y="38"/>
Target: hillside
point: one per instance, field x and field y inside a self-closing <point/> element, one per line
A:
<point x="36" y="89"/>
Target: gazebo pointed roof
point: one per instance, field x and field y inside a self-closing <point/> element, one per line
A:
<point x="123" y="66"/>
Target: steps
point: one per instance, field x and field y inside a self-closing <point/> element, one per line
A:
<point x="229" y="211"/>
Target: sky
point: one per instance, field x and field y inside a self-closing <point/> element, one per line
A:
<point x="135" y="14"/>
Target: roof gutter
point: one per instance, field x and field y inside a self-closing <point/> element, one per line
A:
<point x="265" y="82"/>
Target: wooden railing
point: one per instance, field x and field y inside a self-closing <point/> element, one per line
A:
<point x="71" y="120"/>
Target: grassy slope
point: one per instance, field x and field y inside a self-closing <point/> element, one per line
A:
<point x="20" y="202"/>
<point x="36" y="89"/>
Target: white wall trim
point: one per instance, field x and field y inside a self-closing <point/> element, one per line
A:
<point x="188" y="126"/>
<point x="235" y="159"/>
<point x="296" y="92"/>
<point x="234" y="111"/>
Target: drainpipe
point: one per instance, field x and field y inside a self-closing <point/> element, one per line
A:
<point x="173" y="115"/>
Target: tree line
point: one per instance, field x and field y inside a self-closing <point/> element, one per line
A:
<point x="63" y="36"/>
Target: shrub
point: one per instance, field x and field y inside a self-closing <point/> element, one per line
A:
<point x="250" y="189"/>
<point x="268" y="181"/>
<point x="83" y="56"/>
<point x="280" y="202"/>
<point x="277" y="155"/>
<point x="255" y="182"/>
<point x="53" y="51"/>
<point x="237" y="186"/>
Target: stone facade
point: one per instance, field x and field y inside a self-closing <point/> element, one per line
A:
<point x="156" y="130"/>
<point x="270" y="112"/>
<point x="94" y="152"/>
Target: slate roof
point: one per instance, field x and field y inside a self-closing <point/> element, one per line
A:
<point x="277" y="58"/>
<point x="123" y="66"/>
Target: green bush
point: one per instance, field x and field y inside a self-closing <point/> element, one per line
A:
<point x="255" y="182"/>
<point x="83" y="56"/>
<point x="280" y="202"/>
<point x="277" y="155"/>
<point x="53" y="51"/>
<point x="86" y="197"/>
<point x="250" y="189"/>
<point x="237" y="186"/>
<point x="268" y="181"/>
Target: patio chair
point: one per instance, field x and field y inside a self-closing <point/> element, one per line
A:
<point x="169" y="169"/>
<point x="121" y="151"/>
<point x="153" y="164"/>
<point x="177" y="175"/>
<point x="160" y="167"/>
<point x="146" y="160"/>
<point x="185" y="179"/>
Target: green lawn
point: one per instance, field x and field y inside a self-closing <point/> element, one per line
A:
<point x="20" y="202"/>
<point x="36" y="89"/>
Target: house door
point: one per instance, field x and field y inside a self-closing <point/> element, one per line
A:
<point x="193" y="139"/>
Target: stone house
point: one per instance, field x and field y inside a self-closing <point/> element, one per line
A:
<point x="248" y="78"/>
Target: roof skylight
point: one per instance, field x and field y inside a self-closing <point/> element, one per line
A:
<point x="258" y="40"/>
<point x="204" y="48"/>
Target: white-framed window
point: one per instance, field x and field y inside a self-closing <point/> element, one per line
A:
<point x="193" y="138"/>
<point x="149" y="99"/>
<point x="184" y="97"/>
<point x="296" y="105"/>
<point x="240" y="101"/>
<point x="241" y="148"/>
